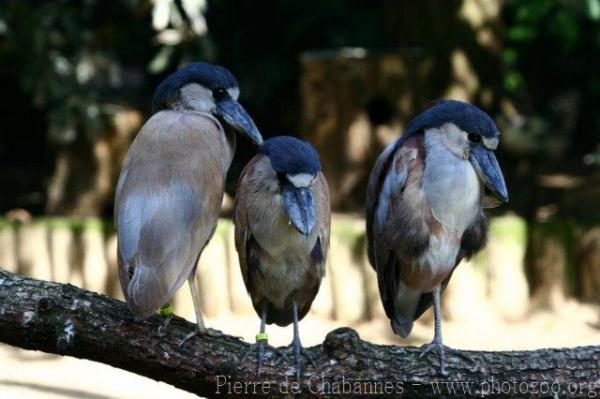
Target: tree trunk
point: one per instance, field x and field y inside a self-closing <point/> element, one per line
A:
<point x="86" y="171"/>
<point x="588" y="265"/>
<point x="549" y="262"/>
<point x="355" y="103"/>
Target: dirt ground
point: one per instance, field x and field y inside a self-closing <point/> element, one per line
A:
<point x="35" y="375"/>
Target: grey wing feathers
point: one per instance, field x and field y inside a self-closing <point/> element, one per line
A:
<point x="245" y="244"/>
<point x="383" y="185"/>
<point x="164" y="211"/>
<point x="376" y="179"/>
<point x="324" y="224"/>
<point x="155" y="241"/>
<point x="395" y="232"/>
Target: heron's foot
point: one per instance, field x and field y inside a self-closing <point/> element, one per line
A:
<point x="281" y="355"/>
<point x="299" y="351"/>
<point x="190" y="336"/>
<point x="263" y="351"/>
<point x="437" y="345"/>
<point x="162" y="329"/>
<point x="211" y="332"/>
<point x="259" y="347"/>
<point x="200" y="331"/>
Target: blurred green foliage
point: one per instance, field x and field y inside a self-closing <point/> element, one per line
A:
<point x="552" y="53"/>
<point x="71" y="58"/>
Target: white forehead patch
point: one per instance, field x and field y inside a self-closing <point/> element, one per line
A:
<point x="234" y="92"/>
<point x="197" y="97"/>
<point x="301" y="179"/>
<point x="491" y="142"/>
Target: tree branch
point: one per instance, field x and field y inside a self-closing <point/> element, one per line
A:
<point x="66" y="320"/>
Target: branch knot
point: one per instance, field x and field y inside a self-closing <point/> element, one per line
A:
<point x="341" y="342"/>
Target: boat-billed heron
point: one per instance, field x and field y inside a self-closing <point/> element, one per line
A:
<point x="169" y="193"/>
<point x="425" y="201"/>
<point x="282" y="218"/>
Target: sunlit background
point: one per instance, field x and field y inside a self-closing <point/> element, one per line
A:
<point x="77" y="80"/>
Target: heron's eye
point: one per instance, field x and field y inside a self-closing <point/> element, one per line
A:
<point x="474" y="138"/>
<point x="219" y="93"/>
<point x="282" y="178"/>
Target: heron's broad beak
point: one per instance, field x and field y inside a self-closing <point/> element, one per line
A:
<point x="299" y="208"/>
<point x="236" y="116"/>
<point x="486" y="166"/>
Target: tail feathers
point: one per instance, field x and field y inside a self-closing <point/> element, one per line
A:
<point x="401" y="325"/>
<point x="281" y="317"/>
<point x="146" y="289"/>
<point x="145" y="293"/>
<point x="403" y="311"/>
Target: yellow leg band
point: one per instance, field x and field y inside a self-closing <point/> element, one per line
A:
<point x="166" y="310"/>
<point x="262" y="337"/>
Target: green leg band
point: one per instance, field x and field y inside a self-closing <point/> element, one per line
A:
<point x="262" y="337"/>
<point x="166" y="310"/>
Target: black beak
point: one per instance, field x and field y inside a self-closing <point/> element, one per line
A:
<point x="236" y="116"/>
<point x="486" y="166"/>
<point x="298" y="204"/>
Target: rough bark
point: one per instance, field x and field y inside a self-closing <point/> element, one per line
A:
<point x="66" y="320"/>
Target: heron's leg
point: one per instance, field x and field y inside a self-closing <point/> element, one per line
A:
<point x="166" y="311"/>
<point x="262" y="341"/>
<point x="437" y="337"/>
<point x="297" y="345"/>
<point x="197" y="303"/>
<point x="198" y="309"/>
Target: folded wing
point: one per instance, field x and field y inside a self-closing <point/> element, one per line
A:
<point x="167" y="204"/>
